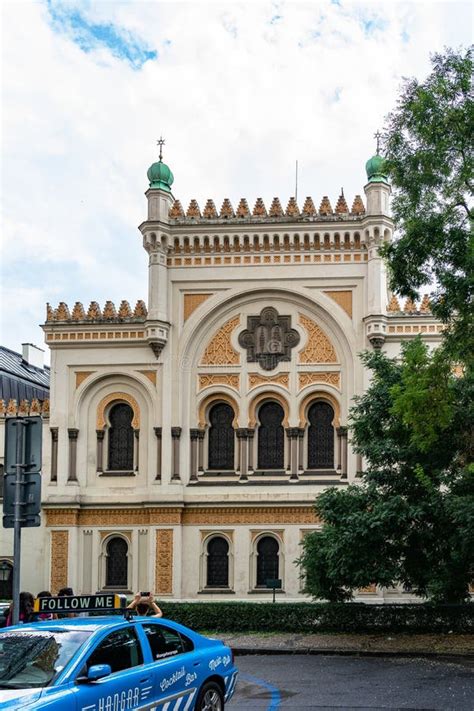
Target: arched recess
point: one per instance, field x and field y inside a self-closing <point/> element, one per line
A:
<point x="104" y="562"/>
<point x="212" y="399"/>
<point x="265" y="397"/>
<point x="204" y="560"/>
<point x="311" y="397"/>
<point x="257" y="573"/>
<point x="117" y="397"/>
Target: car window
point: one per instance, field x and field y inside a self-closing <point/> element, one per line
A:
<point x="165" y="642"/>
<point x="121" y="649"/>
<point x="34" y="658"/>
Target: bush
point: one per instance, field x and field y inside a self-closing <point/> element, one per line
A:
<point x="307" y="617"/>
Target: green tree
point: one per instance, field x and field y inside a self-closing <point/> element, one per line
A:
<point x="428" y="144"/>
<point x="410" y="521"/>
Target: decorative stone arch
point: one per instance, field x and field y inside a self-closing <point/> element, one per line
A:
<point x="266" y="396"/>
<point x="212" y="399"/>
<point x="206" y="539"/>
<point x="311" y="397"/>
<point x="117" y="397"/>
<point x="106" y="537"/>
<point x="257" y="536"/>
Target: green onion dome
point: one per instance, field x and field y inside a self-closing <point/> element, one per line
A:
<point x="160" y="176"/>
<point x="375" y="168"/>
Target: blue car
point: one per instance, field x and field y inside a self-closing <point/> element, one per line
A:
<point x="113" y="664"/>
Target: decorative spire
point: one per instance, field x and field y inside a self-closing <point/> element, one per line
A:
<point x="193" y="209"/>
<point x="425" y="305"/>
<point x="308" y="207"/>
<point x="393" y="305"/>
<point x="358" y="207"/>
<point x="161" y="142"/>
<point x="62" y="312"/>
<point x="259" y="210"/>
<point x="227" y="210"/>
<point x="276" y="208"/>
<point x="243" y="209"/>
<point x="176" y="210"/>
<point x="140" y="310"/>
<point x="292" y="209"/>
<point x="325" y="207"/>
<point x="377" y="136"/>
<point x="124" y="311"/>
<point x="49" y="313"/>
<point x="159" y="174"/>
<point x="341" y="205"/>
<point x="78" y="313"/>
<point x="209" y="211"/>
<point x="94" y="312"/>
<point x="109" y="311"/>
<point x="410" y="306"/>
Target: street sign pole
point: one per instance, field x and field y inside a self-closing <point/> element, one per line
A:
<point x="19" y="464"/>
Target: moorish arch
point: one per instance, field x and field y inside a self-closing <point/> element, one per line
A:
<point x="268" y="396"/>
<point x="213" y="399"/>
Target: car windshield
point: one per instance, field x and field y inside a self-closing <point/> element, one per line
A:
<point x="30" y="658"/>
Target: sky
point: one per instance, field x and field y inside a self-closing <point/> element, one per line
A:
<point x="239" y="91"/>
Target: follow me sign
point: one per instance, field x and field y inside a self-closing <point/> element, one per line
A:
<point x="80" y="603"/>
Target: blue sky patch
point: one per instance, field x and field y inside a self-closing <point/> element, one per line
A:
<point x="90" y="36"/>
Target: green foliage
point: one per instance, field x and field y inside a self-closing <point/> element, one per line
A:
<point x="410" y="521"/>
<point x="306" y="617"/>
<point x="428" y="144"/>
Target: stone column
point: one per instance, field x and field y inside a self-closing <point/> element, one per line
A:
<point x="342" y="433"/>
<point x="251" y="436"/>
<point x="300" y="449"/>
<point x="136" y="449"/>
<point x="359" y="465"/>
<point x="175" y="434"/>
<point x="72" y="434"/>
<point x="54" y="453"/>
<point x="293" y="434"/>
<point x="290" y="449"/>
<point x="201" y="450"/>
<point x="338" y="449"/>
<point x="194" y="435"/>
<point x="100" y="450"/>
<point x="158" y="433"/>
<point x="242" y="440"/>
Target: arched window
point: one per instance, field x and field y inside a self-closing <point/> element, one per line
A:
<point x="271" y="441"/>
<point x="116" y="567"/>
<point x="121" y="438"/>
<point x="221" y="437"/>
<point x="267" y="560"/>
<point x="6" y="580"/>
<point x="217" y="563"/>
<point x="320" y="436"/>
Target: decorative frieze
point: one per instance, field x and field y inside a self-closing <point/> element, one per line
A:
<point x="164" y="562"/>
<point x="206" y="380"/>
<point x="220" y="350"/>
<point x="11" y="408"/>
<point x="59" y="560"/>
<point x="319" y="348"/>
<point x="255" y="379"/>
<point x="94" y="313"/>
<point x="330" y="378"/>
<point x="113" y="516"/>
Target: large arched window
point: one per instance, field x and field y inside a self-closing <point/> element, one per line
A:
<point x="221" y="437"/>
<point x="121" y="438"/>
<point x="320" y="436"/>
<point x="217" y="563"/>
<point x="116" y="567"/>
<point x="271" y="442"/>
<point x="267" y="560"/>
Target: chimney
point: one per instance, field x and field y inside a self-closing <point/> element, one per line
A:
<point x="33" y="355"/>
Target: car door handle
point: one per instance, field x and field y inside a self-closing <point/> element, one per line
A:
<point x="196" y="664"/>
<point x="145" y="679"/>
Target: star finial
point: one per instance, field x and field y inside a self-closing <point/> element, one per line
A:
<point x="161" y="143"/>
<point x="378" y="136"/>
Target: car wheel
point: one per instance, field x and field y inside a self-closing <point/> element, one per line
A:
<point x="210" y="698"/>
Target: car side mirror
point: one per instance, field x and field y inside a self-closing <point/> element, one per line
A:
<point x="98" y="671"/>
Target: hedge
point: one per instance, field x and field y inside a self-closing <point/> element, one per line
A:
<point x="307" y="617"/>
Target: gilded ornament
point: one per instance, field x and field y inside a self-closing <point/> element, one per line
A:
<point x="276" y="209"/>
<point x="176" y="210"/>
<point x="94" y="312"/>
<point x="394" y="305"/>
<point x="124" y="311"/>
<point x="78" y="313"/>
<point x="292" y="209"/>
<point x="308" y="207"/>
<point x="62" y="312"/>
<point x="358" y="207"/>
<point x="325" y="207"/>
<point x="140" y="310"/>
<point x="193" y="209"/>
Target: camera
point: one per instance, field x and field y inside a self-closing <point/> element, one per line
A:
<point x="145" y="594"/>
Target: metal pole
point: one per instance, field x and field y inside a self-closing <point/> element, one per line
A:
<point x="18" y="520"/>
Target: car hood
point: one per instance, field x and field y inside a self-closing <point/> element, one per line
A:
<point x="18" y="698"/>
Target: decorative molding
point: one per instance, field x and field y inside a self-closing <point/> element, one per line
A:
<point x="205" y="404"/>
<point x="109" y="335"/>
<point x="257" y="379"/>
<point x="103" y="404"/>
<point x="319" y="348"/>
<point x="113" y="517"/>
<point x="13" y="409"/>
<point x="150" y="374"/>
<point x="263" y="397"/>
<point x="164" y="562"/>
<point x="59" y="560"/>
<point x="330" y="378"/>
<point x="325" y="397"/>
<point x="192" y="302"/>
<point x="261" y="515"/>
<point x="208" y="379"/>
<point x="343" y="299"/>
<point x="81" y="375"/>
<point x="220" y="350"/>
<point x="94" y="313"/>
<point x="268" y="338"/>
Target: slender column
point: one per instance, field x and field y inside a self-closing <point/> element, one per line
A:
<point x="175" y="434"/>
<point x="158" y="433"/>
<point x="290" y="449"/>
<point x="250" y="445"/>
<point x="194" y="435"/>
<point x="242" y="439"/>
<point x="300" y="449"/>
<point x="293" y="433"/>
<point x="72" y="434"/>
<point x="343" y="435"/>
<point x="136" y="449"/>
<point x="201" y="450"/>
<point x="100" y="450"/>
<point x="339" y="448"/>
<point x="359" y="465"/>
<point x="54" y="453"/>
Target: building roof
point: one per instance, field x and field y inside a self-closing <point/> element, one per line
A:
<point x="20" y="380"/>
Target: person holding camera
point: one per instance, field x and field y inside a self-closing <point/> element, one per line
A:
<point x="145" y="605"/>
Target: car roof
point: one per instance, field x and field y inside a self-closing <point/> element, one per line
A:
<point x="92" y="624"/>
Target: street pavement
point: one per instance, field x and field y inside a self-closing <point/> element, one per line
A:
<point x="302" y="682"/>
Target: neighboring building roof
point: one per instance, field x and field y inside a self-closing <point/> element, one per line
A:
<point x="20" y="380"/>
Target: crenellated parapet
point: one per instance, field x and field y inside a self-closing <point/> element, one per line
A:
<point x="274" y="214"/>
<point x="94" y="314"/>
<point x="409" y="307"/>
<point x="24" y="408"/>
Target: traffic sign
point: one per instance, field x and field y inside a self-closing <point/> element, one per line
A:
<point x="30" y="495"/>
<point x="32" y="441"/>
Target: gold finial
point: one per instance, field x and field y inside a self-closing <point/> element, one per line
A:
<point x="378" y="136"/>
<point x="161" y="143"/>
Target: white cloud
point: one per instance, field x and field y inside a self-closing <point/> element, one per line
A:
<point x="239" y="98"/>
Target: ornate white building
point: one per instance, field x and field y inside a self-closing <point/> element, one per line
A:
<point x="188" y="438"/>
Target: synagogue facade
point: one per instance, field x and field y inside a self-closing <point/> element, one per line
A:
<point x="188" y="437"/>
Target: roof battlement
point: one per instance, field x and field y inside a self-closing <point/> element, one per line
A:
<point x="94" y="314"/>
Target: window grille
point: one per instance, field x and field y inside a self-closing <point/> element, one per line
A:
<point x="267" y="560"/>
<point x="271" y="443"/>
<point x="221" y="437"/>
<point x="121" y="438"/>
<point x="320" y="436"/>
<point x="218" y="563"/>
<point x="116" y="574"/>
